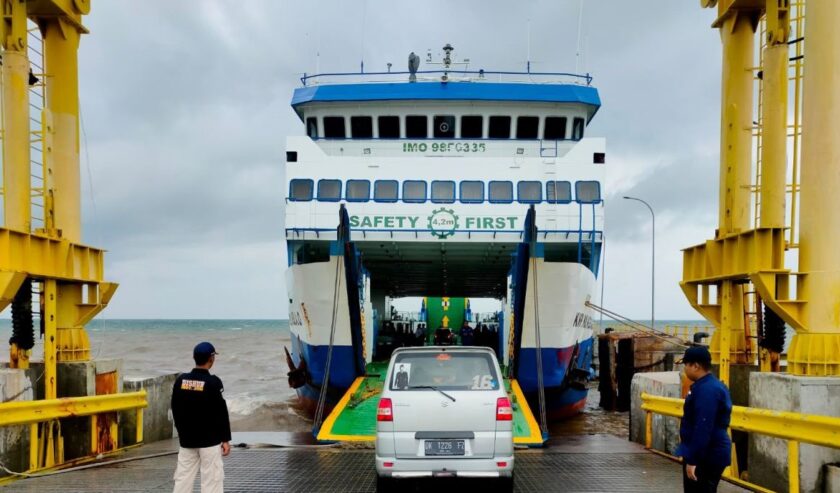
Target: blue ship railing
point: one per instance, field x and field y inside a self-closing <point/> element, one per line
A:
<point x="482" y="75"/>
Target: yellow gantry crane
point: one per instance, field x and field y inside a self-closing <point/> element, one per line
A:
<point x="67" y="276"/>
<point x="718" y="273"/>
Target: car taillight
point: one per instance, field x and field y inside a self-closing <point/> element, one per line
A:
<point x="385" y="412"/>
<point x="504" y="411"/>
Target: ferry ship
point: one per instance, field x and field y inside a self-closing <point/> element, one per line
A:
<point x="445" y="184"/>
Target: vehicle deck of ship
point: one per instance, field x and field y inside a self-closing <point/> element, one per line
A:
<point x="292" y="463"/>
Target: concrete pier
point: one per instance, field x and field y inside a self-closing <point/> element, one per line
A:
<point x="768" y="456"/>
<point x="15" y="385"/>
<point x="157" y="418"/>
<point x="666" y="431"/>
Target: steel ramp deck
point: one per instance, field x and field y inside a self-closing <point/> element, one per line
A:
<point x="354" y="417"/>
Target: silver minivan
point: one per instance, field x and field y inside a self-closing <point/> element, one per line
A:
<point x="444" y="413"/>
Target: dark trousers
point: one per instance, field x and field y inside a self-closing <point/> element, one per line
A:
<point x="708" y="478"/>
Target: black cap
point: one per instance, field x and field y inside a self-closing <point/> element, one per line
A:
<point x="204" y="349"/>
<point x="697" y="354"/>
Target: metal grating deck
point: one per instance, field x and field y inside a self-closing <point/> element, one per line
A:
<point x="591" y="463"/>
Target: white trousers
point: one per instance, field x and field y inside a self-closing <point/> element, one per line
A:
<point x="212" y="469"/>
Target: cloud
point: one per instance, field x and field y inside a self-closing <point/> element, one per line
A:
<point x="186" y="110"/>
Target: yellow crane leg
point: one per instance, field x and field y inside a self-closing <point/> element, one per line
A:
<point x="737" y="34"/>
<point x="61" y="44"/>
<point x="774" y="142"/>
<point x="816" y="350"/>
<point x="16" y="166"/>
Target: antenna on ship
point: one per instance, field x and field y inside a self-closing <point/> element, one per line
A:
<point x="580" y="34"/>
<point x="447" y="61"/>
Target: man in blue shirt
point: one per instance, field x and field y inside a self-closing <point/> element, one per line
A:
<point x="705" y="446"/>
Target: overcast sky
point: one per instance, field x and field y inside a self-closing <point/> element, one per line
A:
<point x="186" y="110"/>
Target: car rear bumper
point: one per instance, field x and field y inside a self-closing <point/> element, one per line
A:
<point x="448" y="466"/>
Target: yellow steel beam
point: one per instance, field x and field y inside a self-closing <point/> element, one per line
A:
<point x="9" y="285"/>
<point x="50" y="340"/>
<point x="28" y="412"/>
<point x="41" y="256"/>
<point x="735" y="257"/>
<point x="807" y="428"/>
<point x="16" y="150"/>
<point x="817" y="352"/>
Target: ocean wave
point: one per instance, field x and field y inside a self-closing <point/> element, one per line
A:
<point x="235" y="328"/>
<point x="260" y="413"/>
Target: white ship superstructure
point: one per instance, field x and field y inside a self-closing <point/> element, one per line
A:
<point x="437" y="178"/>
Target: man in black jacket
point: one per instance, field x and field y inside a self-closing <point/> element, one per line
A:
<point x="201" y="417"/>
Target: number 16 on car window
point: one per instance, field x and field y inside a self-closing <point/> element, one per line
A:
<point x="483" y="382"/>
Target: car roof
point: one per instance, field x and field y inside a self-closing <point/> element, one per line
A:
<point x="433" y="349"/>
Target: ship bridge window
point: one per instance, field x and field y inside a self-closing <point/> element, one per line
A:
<point x="416" y="127"/>
<point x="443" y="192"/>
<point x="389" y="127"/>
<point x="361" y="127"/>
<point x="501" y="192"/>
<point x="414" y="191"/>
<point x="444" y="127"/>
<point x="358" y="190"/>
<point x="385" y="190"/>
<point x="555" y="128"/>
<point x="529" y="192"/>
<point x="472" y="127"/>
<point x="329" y="190"/>
<point x="312" y="127"/>
<point x="499" y="127"/>
<point x="588" y="192"/>
<point x="334" y="127"/>
<point x="527" y="127"/>
<point x="577" y="129"/>
<point x="300" y="189"/>
<point x="472" y="192"/>
<point x="558" y="192"/>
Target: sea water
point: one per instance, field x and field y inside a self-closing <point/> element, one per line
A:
<point x="251" y="361"/>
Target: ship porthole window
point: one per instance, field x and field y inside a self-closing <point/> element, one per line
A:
<point x="385" y="190"/>
<point x="472" y="192"/>
<point x="443" y="192"/>
<point x="499" y="127"/>
<point x="300" y="189"/>
<point x="527" y="127"/>
<point x="444" y="127"/>
<point x="329" y="190"/>
<point x="500" y="192"/>
<point x="588" y="192"/>
<point x="558" y="192"/>
<point x="361" y="127"/>
<point x="312" y="127"/>
<point x="472" y="127"/>
<point x="358" y="190"/>
<point x="416" y="127"/>
<point x="414" y="191"/>
<point x="577" y="128"/>
<point x="389" y="127"/>
<point x="529" y="192"/>
<point x="334" y="127"/>
<point x="555" y="128"/>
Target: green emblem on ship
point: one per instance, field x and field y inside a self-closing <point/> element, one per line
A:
<point x="443" y="223"/>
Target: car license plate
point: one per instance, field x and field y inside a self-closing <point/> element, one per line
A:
<point x="445" y="447"/>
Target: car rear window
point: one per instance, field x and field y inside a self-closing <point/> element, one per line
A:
<point x="445" y="370"/>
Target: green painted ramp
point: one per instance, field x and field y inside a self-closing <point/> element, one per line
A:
<point x="445" y="312"/>
<point x="354" y="417"/>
